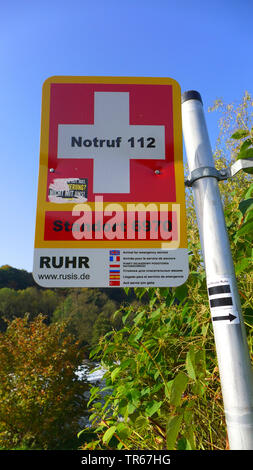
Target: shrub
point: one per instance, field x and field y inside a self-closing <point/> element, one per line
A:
<point x="41" y="399"/>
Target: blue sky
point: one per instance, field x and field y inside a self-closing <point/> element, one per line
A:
<point x="205" y="46"/>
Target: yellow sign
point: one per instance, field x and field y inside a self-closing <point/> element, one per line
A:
<point x="111" y="179"/>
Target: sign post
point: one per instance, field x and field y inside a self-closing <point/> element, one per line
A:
<point x="229" y="331"/>
<point x="111" y="202"/>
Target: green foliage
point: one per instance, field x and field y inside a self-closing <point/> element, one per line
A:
<point x="41" y="399"/>
<point x="236" y="136"/>
<point x="246" y="146"/>
<point x="246" y="220"/>
<point x="158" y="381"/>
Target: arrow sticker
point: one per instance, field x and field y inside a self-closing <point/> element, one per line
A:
<point x="222" y="302"/>
<point x="229" y="317"/>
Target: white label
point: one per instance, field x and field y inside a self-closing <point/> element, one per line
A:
<point x="222" y="301"/>
<point x="56" y="267"/>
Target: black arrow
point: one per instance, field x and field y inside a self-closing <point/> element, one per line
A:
<point x="225" y="317"/>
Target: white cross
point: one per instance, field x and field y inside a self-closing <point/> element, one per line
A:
<point x="111" y="172"/>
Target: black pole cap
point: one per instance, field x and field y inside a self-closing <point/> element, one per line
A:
<point x="191" y="95"/>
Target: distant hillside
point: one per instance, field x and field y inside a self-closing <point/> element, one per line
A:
<point x="19" y="279"/>
<point x="15" y="278"/>
<point x="88" y="311"/>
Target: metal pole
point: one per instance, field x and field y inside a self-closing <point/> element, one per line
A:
<point x="228" y="326"/>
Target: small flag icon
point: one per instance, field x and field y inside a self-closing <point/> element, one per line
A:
<point x="114" y="267"/>
<point x="114" y="258"/>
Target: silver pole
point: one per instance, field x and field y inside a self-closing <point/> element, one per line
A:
<point x="228" y="326"/>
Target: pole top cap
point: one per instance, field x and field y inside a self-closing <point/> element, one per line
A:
<point x="191" y="95"/>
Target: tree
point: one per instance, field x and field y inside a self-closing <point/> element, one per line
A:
<point x="15" y="278"/>
<point x="8" y="302"/>
<point x="82" y="309"/>
<point x="15" y="303"/>
<point x="41" y="398"/>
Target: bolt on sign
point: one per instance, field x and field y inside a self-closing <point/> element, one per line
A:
<point x="111" y="201"/>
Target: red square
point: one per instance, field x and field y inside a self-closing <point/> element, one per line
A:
<point x="73" y="103"/>
<point x="114" y="283"/>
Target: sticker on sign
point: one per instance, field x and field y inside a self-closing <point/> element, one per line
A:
<point x="111" y="202"/>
